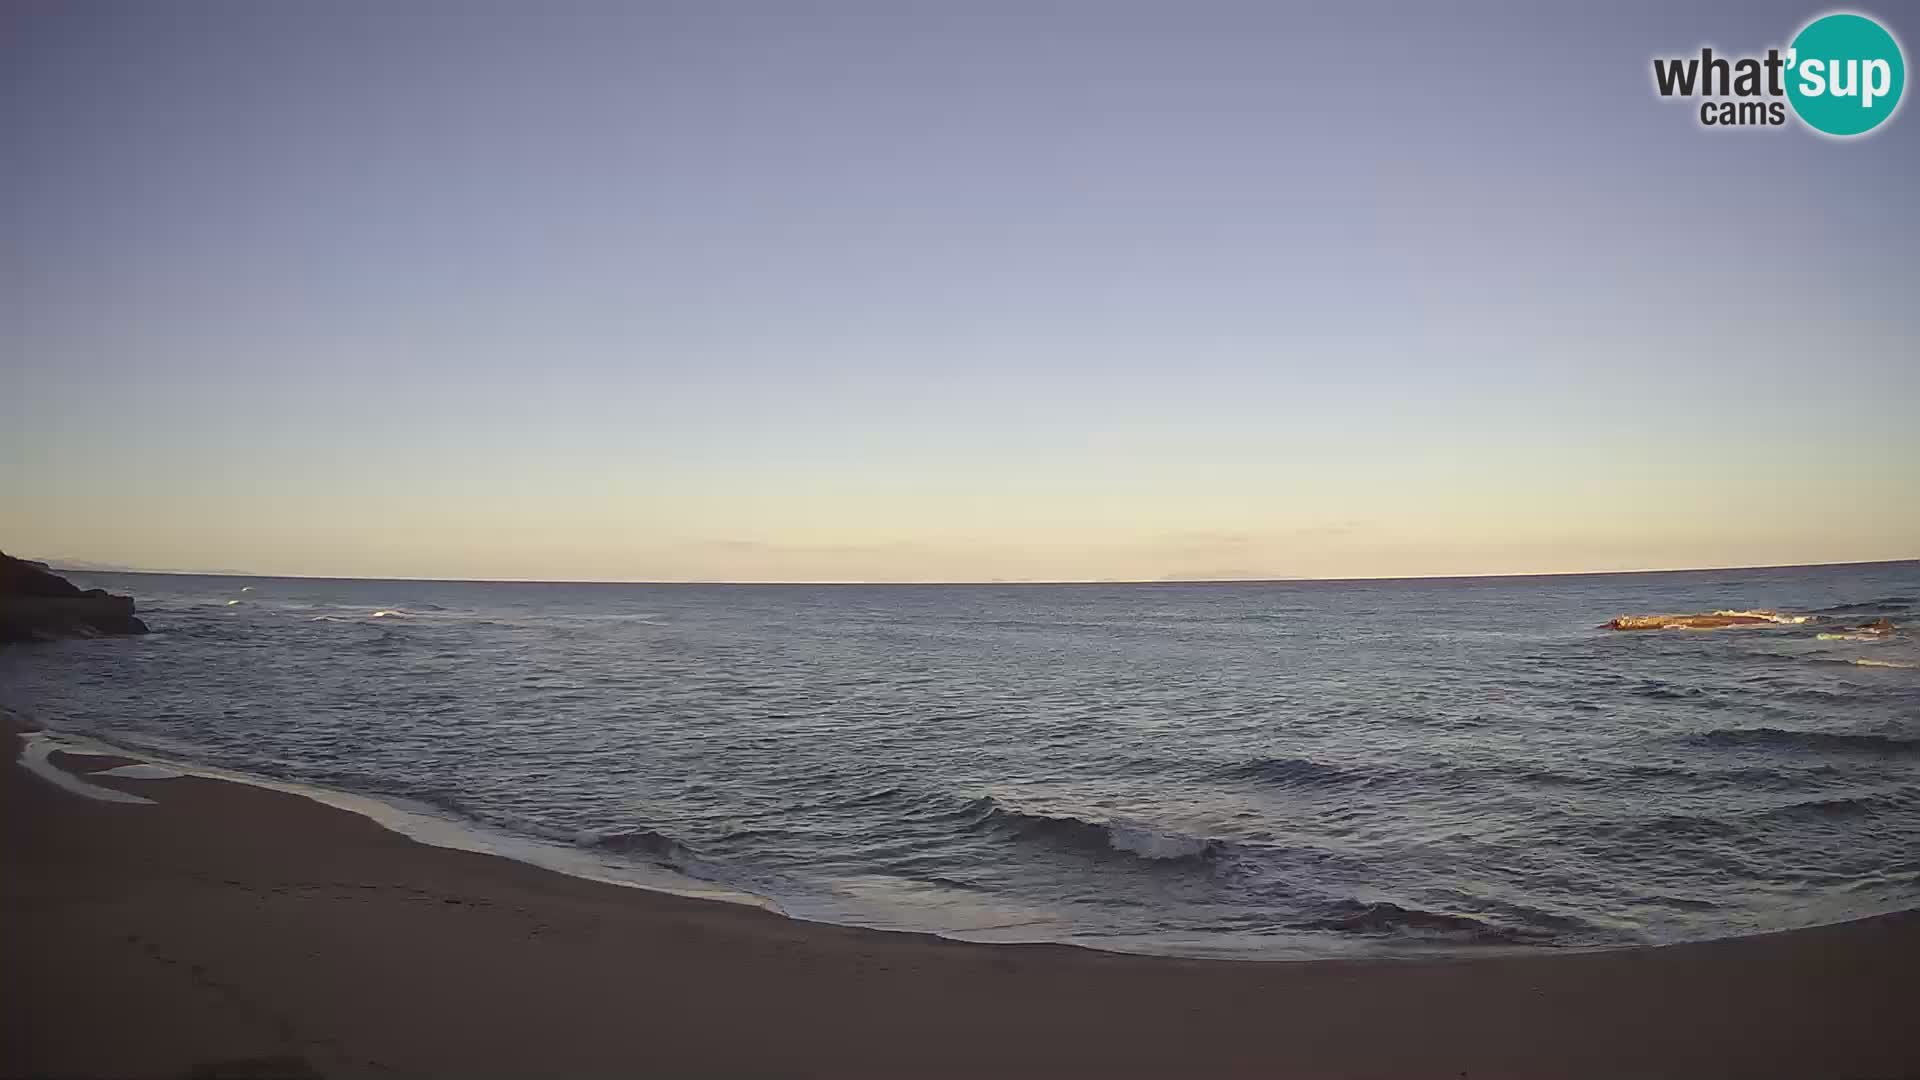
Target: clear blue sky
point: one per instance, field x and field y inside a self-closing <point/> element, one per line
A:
<point x="939" y="291"/>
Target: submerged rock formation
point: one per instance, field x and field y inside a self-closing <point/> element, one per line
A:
<point x="37" y="604"/>
<point x="1877" y="630"/>
<point x="1716" y="620"/>
<point x="1835" y="630"/>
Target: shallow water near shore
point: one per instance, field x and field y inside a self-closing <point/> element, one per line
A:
<point x="1236" y="769"/>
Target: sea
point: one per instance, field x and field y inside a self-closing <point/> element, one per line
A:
<point x="1253" y="770"/>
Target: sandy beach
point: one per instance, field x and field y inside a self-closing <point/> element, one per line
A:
<point x="239" y="931"/>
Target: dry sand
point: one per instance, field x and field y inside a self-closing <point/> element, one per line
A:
<point x="239" y="931"/>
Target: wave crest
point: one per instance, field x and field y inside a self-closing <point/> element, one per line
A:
<point x="1884" y="603"/>
<point x="1292" y="772"/>
<point x="1069" y="830"/>
<point x="657" y="846"/>
<point x="1779" y="738"/>
<point x="1383" y="917"/>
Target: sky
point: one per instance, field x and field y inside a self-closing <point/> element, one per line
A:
<point x="939" y="292"/>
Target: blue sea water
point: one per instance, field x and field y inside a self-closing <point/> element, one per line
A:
<point x="1275" y="769"/>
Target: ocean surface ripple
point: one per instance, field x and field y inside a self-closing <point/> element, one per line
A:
<point x="1236" y="769"/>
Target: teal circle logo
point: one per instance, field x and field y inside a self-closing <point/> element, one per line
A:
<point x="1845" y="74"/>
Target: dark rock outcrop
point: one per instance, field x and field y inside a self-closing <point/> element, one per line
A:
<point x="37" y="604"/>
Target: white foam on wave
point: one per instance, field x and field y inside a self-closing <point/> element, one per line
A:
<point x="1865" y="662"/>
<point x="380" y="613"/>
<point x="1152" y="843"/>
<point x="1770" y="616"/>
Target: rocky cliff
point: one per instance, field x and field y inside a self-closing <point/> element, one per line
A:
<point x="37" y="604"/>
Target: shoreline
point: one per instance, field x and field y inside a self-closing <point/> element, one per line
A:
<point x="226" y="923"/>
<point x="432" y="826"/>
<point x="417" y="822"/>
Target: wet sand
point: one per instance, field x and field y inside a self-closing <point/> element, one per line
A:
<point x="232" y="928"/>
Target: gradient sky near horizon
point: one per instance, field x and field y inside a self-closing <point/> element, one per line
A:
<point x="939" y="292"/>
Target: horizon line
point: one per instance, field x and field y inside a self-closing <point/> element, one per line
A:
<point x="58" y="565"/>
